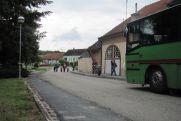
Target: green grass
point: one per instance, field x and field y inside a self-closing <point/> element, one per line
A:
<point x="16" y="102"/>
<point x="38" y="69"/>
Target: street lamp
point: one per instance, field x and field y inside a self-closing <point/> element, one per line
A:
<point x="20" y="21"/>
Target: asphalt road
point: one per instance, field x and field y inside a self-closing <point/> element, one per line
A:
<point x="82" y="98"/>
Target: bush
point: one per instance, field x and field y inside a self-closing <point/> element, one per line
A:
<point x="12" y="72"/>
<point x="36" y="65"/>
<point x="61" y="61"/>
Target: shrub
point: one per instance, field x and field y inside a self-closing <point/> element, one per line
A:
<point x="36" y="65"/>
<point x="61" y="61"/>
<point x="12" y="72"/>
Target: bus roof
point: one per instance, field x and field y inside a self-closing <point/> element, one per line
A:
<point x="154" y="13"/>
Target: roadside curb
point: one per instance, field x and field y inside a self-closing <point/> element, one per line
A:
<point x="46" y="110"/>
<point x="101" y="76"/>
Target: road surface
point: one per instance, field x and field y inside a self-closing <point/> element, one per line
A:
<point x="83" y="98"/>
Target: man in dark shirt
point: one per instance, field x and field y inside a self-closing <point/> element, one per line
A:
<point x="113" y="67"/>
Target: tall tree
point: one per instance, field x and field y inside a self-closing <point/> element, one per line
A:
<point x="10" y="10"/>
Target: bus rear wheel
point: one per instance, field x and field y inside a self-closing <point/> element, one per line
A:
<point x="157" y="79"/>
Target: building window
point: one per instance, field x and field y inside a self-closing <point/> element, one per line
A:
<point x="112" y="52"/>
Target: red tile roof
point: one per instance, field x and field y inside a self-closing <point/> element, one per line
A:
<point x="119" y="28"/>
<point x="145" y="11"/>
<point x="154" y="7"/>
<point x="53" y="56"/>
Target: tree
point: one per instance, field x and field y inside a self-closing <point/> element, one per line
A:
<point x="73" y="65"/>
<point x="63" y="63"/>
<point x="10" y="10"/>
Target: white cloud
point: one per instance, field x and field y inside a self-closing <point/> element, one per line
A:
<point x="79" y="23"/>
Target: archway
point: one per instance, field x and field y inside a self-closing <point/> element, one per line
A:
<point x="112" y="52"/>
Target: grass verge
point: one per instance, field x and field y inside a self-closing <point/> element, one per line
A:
<point x="38" y="69"/>
<point x="16" y="102"/>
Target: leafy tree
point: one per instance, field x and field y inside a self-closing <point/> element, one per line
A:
<point x="10" y="10"/>
<point x="73" y="65"/>
<point x="62" y="62"/>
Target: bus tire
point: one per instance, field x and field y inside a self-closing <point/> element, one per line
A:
<point x="157" y="79"/>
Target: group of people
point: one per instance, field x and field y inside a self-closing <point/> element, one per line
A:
<point x="55" y="68"/>
<point x="63" y="68"/>
<point x="96" y="69"/>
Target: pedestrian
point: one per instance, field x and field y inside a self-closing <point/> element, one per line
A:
<point x="54" y="68"/>
<point x="94" y="67"/>
<point x="57" y="66"/>
<point x="113" y="67"/>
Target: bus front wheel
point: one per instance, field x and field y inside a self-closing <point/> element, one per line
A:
<point x="157" y="81"/>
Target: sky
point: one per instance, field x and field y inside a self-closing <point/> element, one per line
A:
<point x="79" y="23"/>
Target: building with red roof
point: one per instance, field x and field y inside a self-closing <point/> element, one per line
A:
<point x="52" y="58"/>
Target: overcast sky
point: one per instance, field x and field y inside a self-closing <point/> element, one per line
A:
<point x="78" y="23"/>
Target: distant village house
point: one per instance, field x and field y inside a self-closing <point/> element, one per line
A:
<point x="51" y="58"/>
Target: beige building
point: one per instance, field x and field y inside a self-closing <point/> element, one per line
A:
<point x="114" y="48"/>
<point x="95" y="52"/>
<point x="85" y="63"/>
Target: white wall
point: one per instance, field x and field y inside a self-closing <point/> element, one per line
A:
<point x="71" y="58"/>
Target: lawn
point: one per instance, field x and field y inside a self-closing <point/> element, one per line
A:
<point x="16" y="102"/>
<point x="38" y="69"/>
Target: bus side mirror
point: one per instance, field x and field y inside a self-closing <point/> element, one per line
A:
<point x="125" y="32"/>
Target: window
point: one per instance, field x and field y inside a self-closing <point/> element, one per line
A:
<point x="134" y="36"/>
<point x="160" y="28"/>
<point x="112" y="52"/>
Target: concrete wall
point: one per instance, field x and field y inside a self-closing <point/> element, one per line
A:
<point x="85" y="65"/>
<point x="120" y="42"/>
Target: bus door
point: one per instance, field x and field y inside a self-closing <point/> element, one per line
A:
<point x="133" y="56"/>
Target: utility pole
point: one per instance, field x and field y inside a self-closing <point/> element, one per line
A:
<point x="126" y="8"/>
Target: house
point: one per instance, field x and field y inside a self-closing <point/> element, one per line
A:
<point x="73" y="55"/>
<point x="114" y="43"/>
<point x="114" y="47"/>
<point x="51" y="58"/>
<point x="95" y="52"/>
<point x="90" y="57"/>
<point x="85" y="63"/>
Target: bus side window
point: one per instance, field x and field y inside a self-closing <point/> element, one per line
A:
<point x="158" y="38"/>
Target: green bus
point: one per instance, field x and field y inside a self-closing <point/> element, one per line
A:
<point x="153" y="53"/>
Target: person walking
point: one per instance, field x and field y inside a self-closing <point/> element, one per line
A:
<point x="113" y="67"/>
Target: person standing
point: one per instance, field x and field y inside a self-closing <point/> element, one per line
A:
<point x="113" y="67"/>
